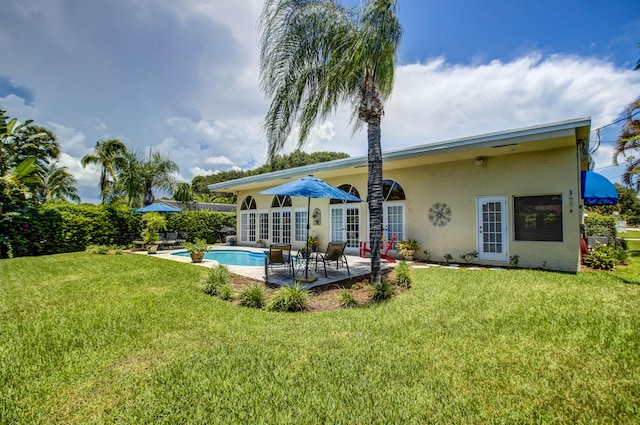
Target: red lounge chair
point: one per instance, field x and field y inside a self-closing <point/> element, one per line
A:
<point x="384" y="249"/>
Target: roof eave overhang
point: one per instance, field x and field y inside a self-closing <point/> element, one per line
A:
<point x="500" y="143"/>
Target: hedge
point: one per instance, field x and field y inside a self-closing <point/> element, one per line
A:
<point x="600" y="225"/>
<point x="63" y="227"/>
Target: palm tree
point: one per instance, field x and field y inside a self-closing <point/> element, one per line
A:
<point x="107" y="154"/>
<point x="38" y="142"/>
<point x="139" y="176"/>
<point x="158" y="172"/>
<point x="317" y="54"/>
<point x="9" y="133"/>
<point x="629" y="143"/>
<point x="184" y="193"/>
<point x="58" y="183"/>
<point x="25" y="174"/>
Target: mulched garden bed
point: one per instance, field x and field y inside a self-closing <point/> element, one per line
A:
<point x="325" y="297"/>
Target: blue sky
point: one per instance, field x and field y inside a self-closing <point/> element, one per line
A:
<point x="182" y="75"/>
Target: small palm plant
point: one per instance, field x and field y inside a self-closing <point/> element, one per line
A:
<point x="154" y="224"/>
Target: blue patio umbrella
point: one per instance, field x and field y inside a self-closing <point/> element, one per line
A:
<point x="597" y="189"/>
<point x="157" y="207"/>
<point x="310" y="187"/>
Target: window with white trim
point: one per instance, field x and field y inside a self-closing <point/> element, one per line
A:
<point x="263" y="225"/>
<point x="281" y="219"/>
<point x="300" y="223"/>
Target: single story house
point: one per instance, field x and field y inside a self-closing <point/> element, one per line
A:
<point x="509" y="196"/>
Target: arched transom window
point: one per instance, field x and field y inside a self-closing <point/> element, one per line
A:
<point x="350" y="189"/>
<point x="392" y="191"/>
<point x="248" y="203"/>
<point x="280" y="201"/>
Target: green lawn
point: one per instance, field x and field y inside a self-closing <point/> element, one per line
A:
<point x="630" y="233"/>
<point x="131" y="339"/>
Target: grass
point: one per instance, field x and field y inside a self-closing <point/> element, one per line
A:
<point x="630" y="233"/>
<point x="132" y="339"/>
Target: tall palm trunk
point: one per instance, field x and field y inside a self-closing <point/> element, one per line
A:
<point x="371" y="111"/>
<point x="374" y="185"/>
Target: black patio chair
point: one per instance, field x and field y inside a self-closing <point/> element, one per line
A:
<point x="334" y="252"/>
<point x="278" y="256"/>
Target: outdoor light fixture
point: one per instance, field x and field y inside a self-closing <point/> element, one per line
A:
<point x="570" y="200"/>
<point x="481" y="161"/>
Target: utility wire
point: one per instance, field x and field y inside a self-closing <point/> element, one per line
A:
<point x="593" y="150"/>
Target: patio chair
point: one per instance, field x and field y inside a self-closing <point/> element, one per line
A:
<point x="384" y="249"/>
<point x="278" y="256"/>
<point x="171" y="239"/>
<point x="182" y="238"/>
<point x="334" y="252"/>
<point x="168" y="240"/>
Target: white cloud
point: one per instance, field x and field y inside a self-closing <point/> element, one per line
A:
<point x="223" y="160"/>
<point x="16" y="107"/>
<point x="437" y="101"/>
<point x="71" y="141"/>
<point x="197" y="171"/>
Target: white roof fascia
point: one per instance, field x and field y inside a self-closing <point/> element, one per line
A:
<point x="562" y="128"/>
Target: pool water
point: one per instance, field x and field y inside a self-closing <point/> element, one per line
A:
<point x="231" y="257"/>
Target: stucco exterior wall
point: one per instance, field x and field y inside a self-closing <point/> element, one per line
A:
<point x="458" y="184"/>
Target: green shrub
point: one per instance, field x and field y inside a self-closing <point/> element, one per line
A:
<point x="253" y="296"/>
<point x="98" y="249"/>
<point x="601" y="257"/>
<point x="600" y="225"/>
<point x="58" y="227"/>
<point x="216" y="278"/>
<point x="403" y="275"/>
<point x="200" y="224"/>
<point x="346" y="299"/>
<point x="383" y="291"/>
<point x="621" y="254"/>
<point x="225" y="292"/>
<point x="289" y="298"/>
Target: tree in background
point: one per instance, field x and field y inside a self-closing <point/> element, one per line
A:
<point x="297" y="158"/>
<point x="38" y="142"/>
<point x="183" y="193"/>
<point x="9" y="129"/>
<point x="57" y="183"/>
<point x="628" y="205"/>
<point x="107" y="154"/>
<point x="138" y="175"/>
<point x="28" y="160"/>
<point x="315" y="55"/>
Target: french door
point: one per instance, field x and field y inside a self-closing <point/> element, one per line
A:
<point x="393" y="221"/>
<point x="281" y="225"/>
<point x="345" y="224"/>
<point x="492" y="219"/>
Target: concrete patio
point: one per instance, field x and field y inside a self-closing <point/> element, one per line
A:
<point x="279" y="276"/>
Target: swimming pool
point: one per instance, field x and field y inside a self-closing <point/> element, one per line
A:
<point x="231" y="257"/>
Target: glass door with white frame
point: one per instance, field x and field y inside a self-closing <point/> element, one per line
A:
<point x="492" y="218"/>
<point x="345" y="224"/>
<point x="393" y="221"/>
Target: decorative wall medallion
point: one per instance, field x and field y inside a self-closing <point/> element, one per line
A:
<point x="439" y="214"/>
